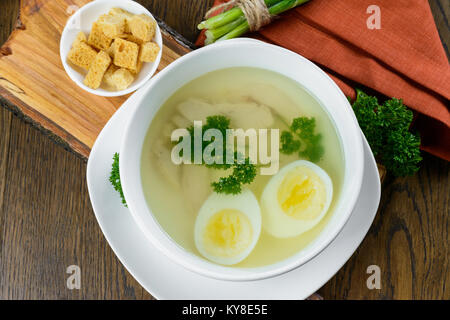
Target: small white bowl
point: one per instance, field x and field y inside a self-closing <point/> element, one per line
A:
<point x="227" y="54"/>
<point x="82" y="20"/>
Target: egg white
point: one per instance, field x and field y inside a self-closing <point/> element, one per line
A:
<point x="275" y="221"/>
<point x="247" y="204"/>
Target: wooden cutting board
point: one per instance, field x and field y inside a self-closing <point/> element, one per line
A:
<point x="33" y="80"/>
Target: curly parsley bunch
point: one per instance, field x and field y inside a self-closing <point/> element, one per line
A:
<point x="387" y="129"/>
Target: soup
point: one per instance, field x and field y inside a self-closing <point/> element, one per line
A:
<point x="275" y="215"/>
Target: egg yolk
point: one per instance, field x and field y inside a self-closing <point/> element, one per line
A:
<point x="228" y="233"/>
<point x="302" y="194"/>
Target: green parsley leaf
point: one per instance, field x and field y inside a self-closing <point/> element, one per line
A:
<point x="387" y="129"/>
<point x="114" y="178"/>
<point x="288" y="144"/>
<point x="243" y="173"/>
<point x="308" y="145"/>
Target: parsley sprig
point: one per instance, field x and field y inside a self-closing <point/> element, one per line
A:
<point x="114" y="178"/>
<point x="243" y="173"/>
<point x="302" y="139"/>
<point x="387" y="129"/>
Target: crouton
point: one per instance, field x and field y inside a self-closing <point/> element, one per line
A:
<point x="137" y="68"/>
<point x="111" y="49"/>
<point x="81" y="37"/>
<point x="125" y="54"/>
<point x="139" y="64"/>
<point x="112" y="26"/>
<point x="98" y="39"/>
<point x="122" y="36"/>
<point x="149" y="52"/>
<point x="142" y="27"/>
<point x="82" y="55"/>
<point x="97" y="70"/>
<point x="107" y="78"/>
<point x="124" y="14"/>
<point x="122" y="79"/>
<point x="132" y="38"/>
<point x="120" y="11"/>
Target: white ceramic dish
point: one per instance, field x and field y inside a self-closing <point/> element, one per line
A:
<point x="237" y="53"/>
<point x="165" y="279"/>
<point x="82" y="20"/>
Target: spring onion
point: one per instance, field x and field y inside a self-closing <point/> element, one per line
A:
<point x="232" y="23"/>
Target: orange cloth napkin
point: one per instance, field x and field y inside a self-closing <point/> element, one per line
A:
<point x="404" y="59"/>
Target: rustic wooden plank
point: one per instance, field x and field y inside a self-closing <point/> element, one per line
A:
<point x="408" y="240"/>
<point x="441" y="13"/>
<point x="9" y="10"/>
<point x="48" y="224"/>
<point x="9" y="13"/>
<point x="5" y="133"/>
<point x="174" y="13"/>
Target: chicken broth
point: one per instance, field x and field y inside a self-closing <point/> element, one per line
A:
<point x="181" y="195"/>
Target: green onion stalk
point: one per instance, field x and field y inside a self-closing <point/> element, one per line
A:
<point x="232" y="23"/>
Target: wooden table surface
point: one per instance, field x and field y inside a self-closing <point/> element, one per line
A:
<point x="47" y="223"/>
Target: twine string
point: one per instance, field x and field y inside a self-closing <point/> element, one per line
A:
<point x="255" y="11"/>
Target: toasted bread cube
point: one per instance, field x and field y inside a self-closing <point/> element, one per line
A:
<point x="132" y="38"/>
<point x="112" y="26"/>
<point x="149" y="52"/>
<point x="139" y="64"/>
<point x="82" y="55"/>
<point x="122" y="79"/>
<point x="124" y="14"/>
<point x="98" y="39"/>
<point x="81" y="37"/>
<point x="129" y="37"/>
<point x="120" y="11"/>
<point x="97" y="70"/>
<point x="107" y="78"/>
<point x="142" y="27"/>
<point x="122" y="36"/>
<point x="138" y="68"/>
<point x="111" y="49"/>
<point x="125" y="54"/>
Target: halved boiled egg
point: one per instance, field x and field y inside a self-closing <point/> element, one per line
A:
<point x="228" y="227"/>
<point x="296" y="199"/>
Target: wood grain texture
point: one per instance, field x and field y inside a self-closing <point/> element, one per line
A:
<point x="408" y="240"/>
<point x="5" y="134"/>
<point x="46" y="222"/>
<point x="9" y="14"/>
<point x="28" y="77"/>
<point x="441" y="13"/>
<point x="174" y="13"/>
